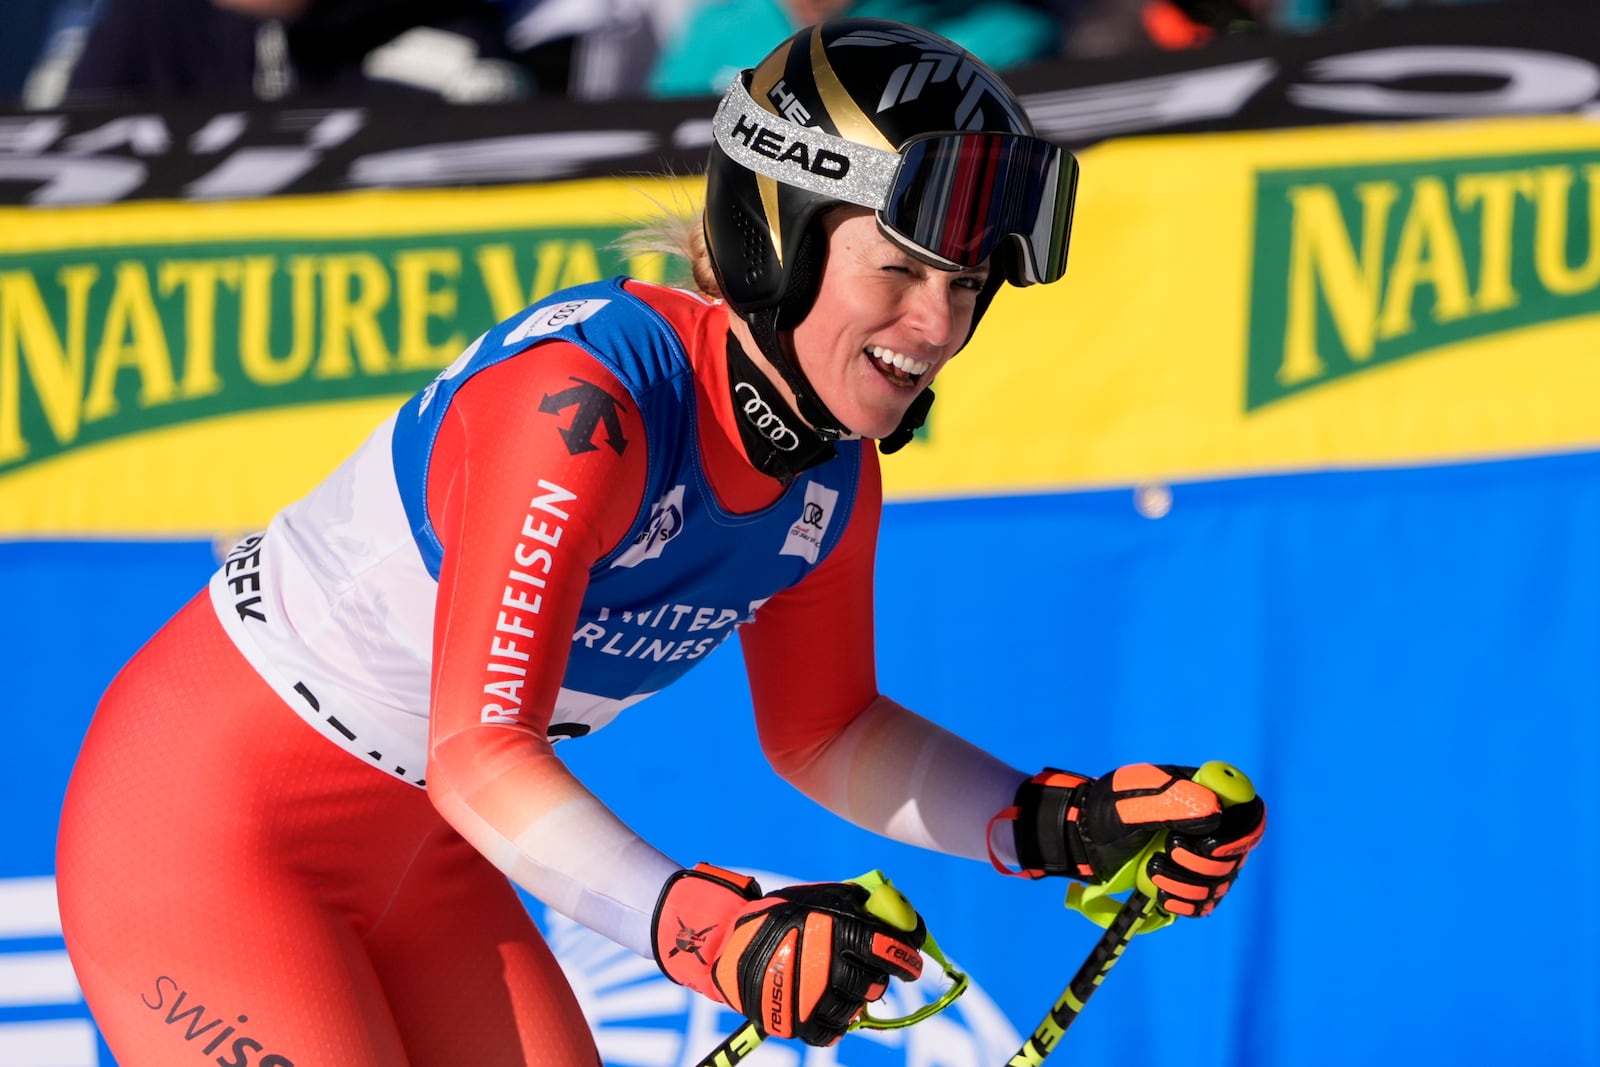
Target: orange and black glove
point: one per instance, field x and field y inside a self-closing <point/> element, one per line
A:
<point x="1089" y="828"/>
<point x="803" y="961"/>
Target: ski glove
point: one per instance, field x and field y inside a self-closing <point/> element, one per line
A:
<point x="803" y="961"/>
<point x="1089" y="828"/>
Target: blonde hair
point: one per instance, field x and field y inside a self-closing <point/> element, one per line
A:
<point x="677" y="231"/>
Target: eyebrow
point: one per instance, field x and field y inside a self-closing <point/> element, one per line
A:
<point x="902" y="257"/>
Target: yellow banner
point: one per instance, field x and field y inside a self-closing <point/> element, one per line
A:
<point x="1294" y="300"/>
<point x="1234" y="304"/>
<point x="188" y="368"/>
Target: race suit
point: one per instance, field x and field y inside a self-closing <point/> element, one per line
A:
<point x="289" y="831"/>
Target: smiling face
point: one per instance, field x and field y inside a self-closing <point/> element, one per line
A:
<point x="883" y="325"/>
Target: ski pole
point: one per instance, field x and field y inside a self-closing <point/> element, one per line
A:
<point x="1136" y="913"/>
<point x="884" y="902"/>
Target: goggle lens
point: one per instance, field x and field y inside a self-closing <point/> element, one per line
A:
<point x="957" y="197"/>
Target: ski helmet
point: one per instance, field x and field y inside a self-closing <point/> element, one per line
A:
<point x="888" y="116"/>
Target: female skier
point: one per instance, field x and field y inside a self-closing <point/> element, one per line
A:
<point x="288" y="835"/>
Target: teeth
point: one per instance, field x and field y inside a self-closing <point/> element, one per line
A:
<point x="899" y="360"/>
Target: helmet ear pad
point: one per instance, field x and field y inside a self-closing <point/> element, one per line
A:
<point x="752" y="272"/>
<point x="805" y="276"/>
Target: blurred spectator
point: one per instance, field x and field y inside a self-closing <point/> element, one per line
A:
<point x="271" y="49"/>
<point x="454" y="49"/>
<point x="466" y="51"/>
<point x="66" y="29"/>
<point x="1098" y="28"/>
<point x="593" y="49"/>
<point x="489" y="50"/>
<point x="120" y="49"/>
<point x="26" y="25"/>
<point x="1093" y="28"/>
<point x="721" y="37"/>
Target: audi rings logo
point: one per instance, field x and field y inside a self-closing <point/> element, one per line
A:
<point x="767" y="423"/>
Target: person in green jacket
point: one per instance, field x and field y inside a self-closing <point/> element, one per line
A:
<point x="721" y="37"/>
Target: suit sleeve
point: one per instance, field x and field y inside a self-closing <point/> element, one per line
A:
<point x="525" y="500"/>
<point x="826" y="728"/>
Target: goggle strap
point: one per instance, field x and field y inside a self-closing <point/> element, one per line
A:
<point x="802" y="156"/>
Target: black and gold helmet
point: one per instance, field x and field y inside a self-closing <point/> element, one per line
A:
<point x="890" y="117"/>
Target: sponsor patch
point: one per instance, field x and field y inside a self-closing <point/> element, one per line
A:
<point x="666" y="520"/>
<point x="808" y="530"/>
<point x="548" y="320"/>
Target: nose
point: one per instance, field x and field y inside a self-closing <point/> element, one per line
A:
<point x="932" y="313"/>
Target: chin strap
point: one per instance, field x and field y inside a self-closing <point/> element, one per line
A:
<point x="764" y="328"/>
<point x="915" y="416"/>
<point x="775" y="439"/>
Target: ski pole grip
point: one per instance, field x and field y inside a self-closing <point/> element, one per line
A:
<point x="886" y="903"/>
<point x="1230" y="784"/>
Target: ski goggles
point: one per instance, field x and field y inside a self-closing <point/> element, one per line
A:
<point x="951" y="199"/>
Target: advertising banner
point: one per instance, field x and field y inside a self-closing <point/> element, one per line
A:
<point x="1303" y="300"/>
<point x="1235" y="304"/>
<point x="151" y="350"/>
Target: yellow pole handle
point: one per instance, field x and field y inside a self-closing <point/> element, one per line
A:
<point x="1097" y="903"/>
<point x="1232" y="786"/>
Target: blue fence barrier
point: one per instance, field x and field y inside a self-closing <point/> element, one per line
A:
<point x="1404" y="660"/>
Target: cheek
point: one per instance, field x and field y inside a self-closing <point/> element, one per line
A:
<point x="831" y="352"/>
<point x="853" y="305"/>
<point x="967" y="309"/>
<point x="836" y="327"/>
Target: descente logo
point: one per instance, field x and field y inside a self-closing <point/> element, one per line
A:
<point x="1355" y="267"/>
<point x="191" y="1022"/>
